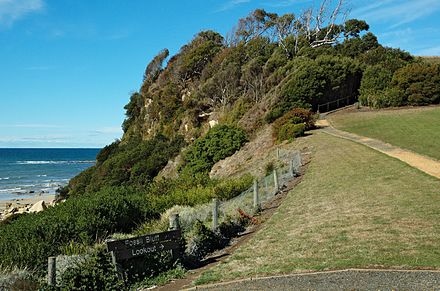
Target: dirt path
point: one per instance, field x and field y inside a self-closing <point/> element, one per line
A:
<point x="418" y="161"/>
<point x="338" y="280"/>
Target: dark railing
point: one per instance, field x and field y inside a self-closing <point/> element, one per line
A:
<point x="335" y="104"/>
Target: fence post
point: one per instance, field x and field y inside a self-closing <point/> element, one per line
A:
<point x="175" y="225"/>
<point x="266" y="188"/>
<point x="275" y="179"/>
<point x="118" y="268"/>
<point x="291" y="169"/>
<point x="256" y="195"/>
<point x="278" y="153"/>
<point x="214" y="213"/>
<point x="52" y="271"/>
<point x="174" y="222"/>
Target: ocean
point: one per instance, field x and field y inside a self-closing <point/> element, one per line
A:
<point x="28" y="172"/>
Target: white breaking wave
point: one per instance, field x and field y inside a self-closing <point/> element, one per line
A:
<point x="53" y="162"/>
<point x="10" y="190"/>
<point x="5" y="178"/>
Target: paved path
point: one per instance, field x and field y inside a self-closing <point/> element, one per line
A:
<point x="421" y="162"/>
<point x="338" y="280"/>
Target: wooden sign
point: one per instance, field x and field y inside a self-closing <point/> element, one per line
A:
<point x="148" y="244"/>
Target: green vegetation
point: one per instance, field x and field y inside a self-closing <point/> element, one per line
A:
<point x="30" y="239"/>
<point x="416" y="83"/>
<point x="97" y="273"/>
<point x="220" y="142"/>
<point x="293" y="124"/>
<point x="270" y="69"/>
<point x="354" y="208"/>
<point x="412" y="129"/>
<point x="135" y="163"/>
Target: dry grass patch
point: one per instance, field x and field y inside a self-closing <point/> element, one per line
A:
<point x="355" y="208"/>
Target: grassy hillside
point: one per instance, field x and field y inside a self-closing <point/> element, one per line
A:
<point x="354" y="208"/>
<point x="413" y="129"/>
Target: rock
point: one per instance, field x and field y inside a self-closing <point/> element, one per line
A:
<point x="213" y="123"/>
<point x="22" y="210"/>
<point x="38" y="207"/>
<point x="11" y="210"/>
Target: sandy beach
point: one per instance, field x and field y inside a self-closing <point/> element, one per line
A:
<point x="20" y="202"/>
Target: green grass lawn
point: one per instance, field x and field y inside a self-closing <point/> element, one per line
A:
<point x="355" y="208"/>
<point x="413" y="129"/>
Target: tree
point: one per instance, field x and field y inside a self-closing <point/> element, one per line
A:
<point x="319" y="27"/>
<point x="195" y="56"/>
<point x="132" y="110"/>
<point x="419" y="82"/>
<point x="155" y="66"/>
<point x="222" y="89"/>
<point x="253" y="78"/>
<point x="254" y="25"/>
<point x="353" y="27"/>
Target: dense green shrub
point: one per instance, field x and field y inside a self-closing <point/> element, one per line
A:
<point x="420" y="83"/>
<point x="95" y="273"/>
<point x="202" y="241"/>
<point x="293" y="124"/>
<point x="231" y="188"/>
<point x="390" y="97"/>
<point x="389" y="58"/>
<point x="134" y="163"/>
<point x="29" y="240"/>
<point x="290" y="131"/>
<point x="318" y="81"/>
<point x="220" y="142"/>
<point x="375" y="78"/>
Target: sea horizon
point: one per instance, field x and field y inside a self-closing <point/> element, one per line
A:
<point x="28" y="172"/>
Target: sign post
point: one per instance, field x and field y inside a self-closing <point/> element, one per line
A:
<point x="144" y="245"/>
<point x="126" y="249"/>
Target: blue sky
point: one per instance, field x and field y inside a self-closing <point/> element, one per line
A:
<point x="67" y="67"/>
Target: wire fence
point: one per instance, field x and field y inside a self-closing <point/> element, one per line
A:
<point x="250" y="201"/>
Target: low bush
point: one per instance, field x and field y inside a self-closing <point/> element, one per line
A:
<point x="293" y="124"/>
<point x="231" y="188"/>
<point x="203" y="241"/>
<point x="290" y="131"/>
<point x="95" y="273"/>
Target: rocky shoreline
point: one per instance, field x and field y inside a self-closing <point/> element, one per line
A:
<point x="9" y="208"/>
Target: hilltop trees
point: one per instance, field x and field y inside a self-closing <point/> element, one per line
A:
<point x="419" y="83"/>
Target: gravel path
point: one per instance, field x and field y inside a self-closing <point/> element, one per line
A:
<point x="338" y="280"/>
<point x="421" y="162"/>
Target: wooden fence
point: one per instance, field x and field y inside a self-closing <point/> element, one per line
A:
<point x="332" y="105"/>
